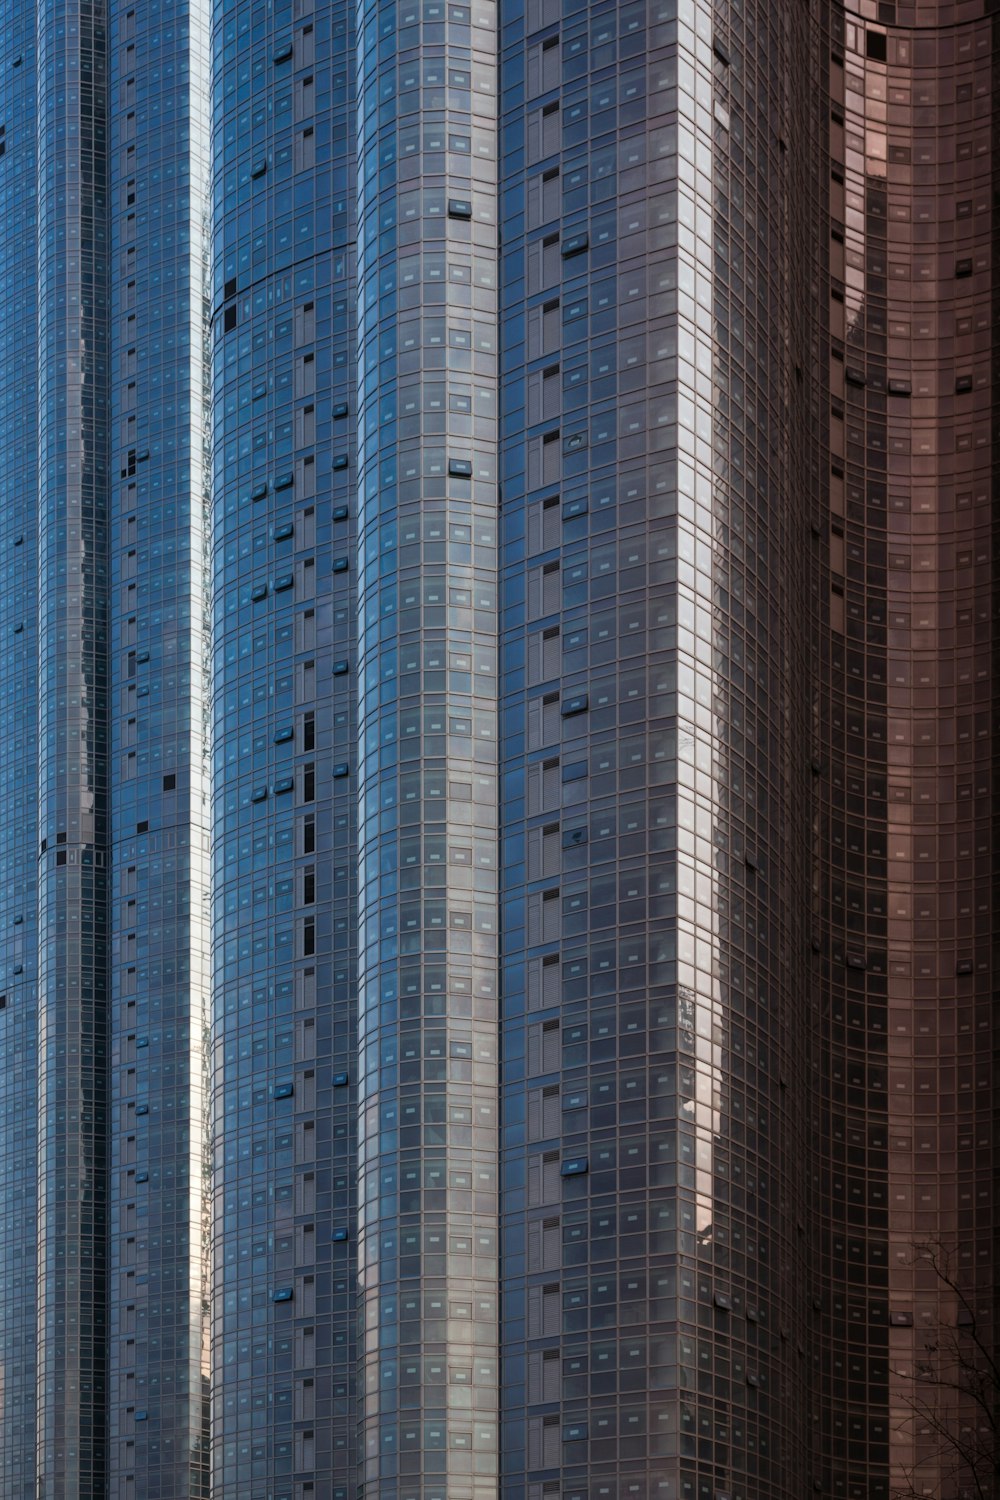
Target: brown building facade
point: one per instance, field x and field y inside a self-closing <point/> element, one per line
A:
<point x="905" y="782"/>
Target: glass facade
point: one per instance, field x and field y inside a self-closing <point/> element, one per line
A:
<point x="72" y="826"/>
<point x="283" y="704"/>
<point x="905" y="913"/>
<point x="18" y="754"/>
<point x="157" y="132"/>
<point x="498" y="988"/>
<point x="652" y="731"/>
<point x="427" y="665"/>
<point x="104" y="163"/>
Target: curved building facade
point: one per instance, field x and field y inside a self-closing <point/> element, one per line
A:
<point x="498" y="990"/>
<point x="283" y="605"/>
<point x="427" y="851"/>
<point x="905" y="962"/>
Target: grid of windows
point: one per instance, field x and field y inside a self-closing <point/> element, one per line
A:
<point x="903" y="785"/>
<point x="72" y="744"/>
<point x="651" y="1291"/>
<point x="283" y="603"/>
<point x="18" y="751"/>
<point x="427" y="489"/>
<point x="157" y="194"/>
<point x="463" y="611"/>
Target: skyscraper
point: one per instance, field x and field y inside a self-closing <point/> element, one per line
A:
<point x="905" y="975"/>
<point x="18" y="754"/>
<point x="499" y="872"/>
<point x="284" y="708"/>
<point x="105" y="173"/>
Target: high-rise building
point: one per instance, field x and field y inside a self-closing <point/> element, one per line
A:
<point x="902" y="399"/>
<point x="104" y="175"/>
<point x="284" y="713"/>
<point x="498" y="993"/>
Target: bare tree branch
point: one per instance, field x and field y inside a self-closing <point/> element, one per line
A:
<point x="955" y="1399"/>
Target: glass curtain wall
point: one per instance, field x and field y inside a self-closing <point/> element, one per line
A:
<point x="119" y="140"/>
<point x="283" y="608"/>
<point x="18" y="750"/>
<point x="905" y="917"/>
<point x="654" y="741"/>
<point x="72" y="666"/>
<point x="157" y="200"/>
<point x="427" y="494"/>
